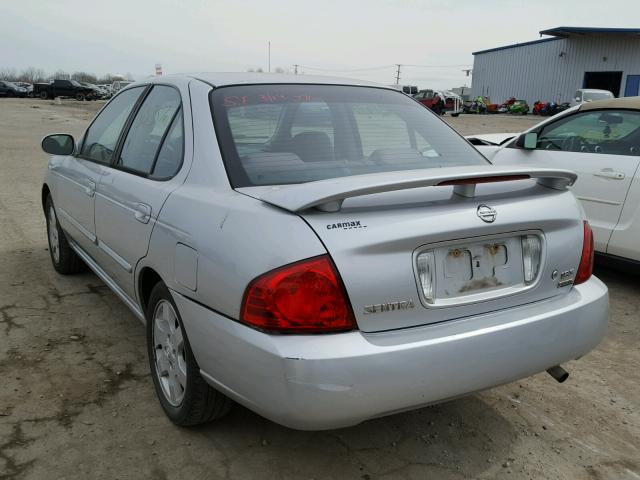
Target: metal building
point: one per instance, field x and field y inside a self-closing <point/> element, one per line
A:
<point x="553" y="68"/>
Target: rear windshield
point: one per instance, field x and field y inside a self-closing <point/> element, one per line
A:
<point x="292" y="133"/>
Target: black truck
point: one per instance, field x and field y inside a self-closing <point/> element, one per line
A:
<point x="63" y="88"/>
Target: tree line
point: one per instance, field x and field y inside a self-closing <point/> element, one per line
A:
<point x="36" y="75"/>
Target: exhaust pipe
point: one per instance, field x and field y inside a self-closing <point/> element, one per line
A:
<point x="559" y="373"/>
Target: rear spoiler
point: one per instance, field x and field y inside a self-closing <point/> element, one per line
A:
<point x="328" y="195"/>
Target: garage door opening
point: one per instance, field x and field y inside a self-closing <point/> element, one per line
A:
<point x="604" y="81"/>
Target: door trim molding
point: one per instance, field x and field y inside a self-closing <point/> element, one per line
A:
<point x="77" y="225"/>
<point x="598" y="200"/>
<point x="117" y="258"/>
<point x="133" y="306"/>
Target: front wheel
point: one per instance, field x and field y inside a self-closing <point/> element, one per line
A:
<point x="80" y="97"/>
<point x="44" y="95"/>
<point x="184" y="395"/>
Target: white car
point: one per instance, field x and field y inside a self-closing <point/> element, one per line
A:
<point x="601" y="142"/>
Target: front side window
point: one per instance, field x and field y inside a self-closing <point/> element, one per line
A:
<point x="101" y="138"/>
<point x="293" y="133"/>
<point x="600" y="131"/>
<point x="147" y="130"/>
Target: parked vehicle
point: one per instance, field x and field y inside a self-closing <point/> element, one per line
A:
<point x="406" y="89"/>
<point x="63" y="88"/>
<point x="584" y="95"/>
<point x="478" y="105"/>
<point x="105" y="90"/>
<point x="96" y="93"/>
<point x="548" y="109"/>
<point x="519" y="107"/>
<point x="601" y="142"/>
<point x="119" y="85"/>
<point x="452" y="102"/>
<point x="504" y="108"/>
<point x="10" y="89"/>
<point x="296" y="259"/>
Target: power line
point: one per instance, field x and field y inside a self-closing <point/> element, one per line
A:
<point x="435" y="66"/>
<point x="382" y="67"/>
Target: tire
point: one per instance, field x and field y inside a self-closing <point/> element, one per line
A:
<point x="80" y="97"/>
<point x="183" y="394"/>
<point x="63" y="258"/>
<point x="44" y="95"/>
<point x="10" y="94"/>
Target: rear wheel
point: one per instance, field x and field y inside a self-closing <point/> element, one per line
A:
<point x="80" y="97"/>
<point x="64" y="259"/>
<point x="44" y="95"/>
<point x="184" y="395"/>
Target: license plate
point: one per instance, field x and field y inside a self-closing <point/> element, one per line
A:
<point x="477" y="268"/>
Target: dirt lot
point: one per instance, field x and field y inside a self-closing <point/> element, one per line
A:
<point x="77" y="402"/>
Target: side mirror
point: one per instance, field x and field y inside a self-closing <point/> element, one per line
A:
<point x="58" y="144"/>
<point x="530" y="141"/>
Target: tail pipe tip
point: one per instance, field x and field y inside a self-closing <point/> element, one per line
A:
<point x="559" y="373"/>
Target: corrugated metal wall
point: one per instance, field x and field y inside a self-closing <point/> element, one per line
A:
<point x="552" y="70"/>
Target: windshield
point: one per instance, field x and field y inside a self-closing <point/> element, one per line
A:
<point x="282" y="134"/>
<point x="75" y="83"/>
<point x="594" y="96"/>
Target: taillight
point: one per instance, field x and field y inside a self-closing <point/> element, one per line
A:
<point x="531" y="249"/>
<point x="306" y="296"/>
<point x="585" y="269"/>
<point x="426" y="264"/>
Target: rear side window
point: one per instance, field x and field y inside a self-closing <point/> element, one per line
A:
<point x="296" y="133"/>
<point x="102" y="136"/>
<point x="170" y="156"/>
<point x="147" y="131"/>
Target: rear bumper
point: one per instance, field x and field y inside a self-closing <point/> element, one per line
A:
<point x="315" y="382"/>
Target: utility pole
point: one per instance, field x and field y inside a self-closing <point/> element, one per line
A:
<point x="398" y="74"/>
<point x="295" y="68"/>
<point x="269" y="56"/>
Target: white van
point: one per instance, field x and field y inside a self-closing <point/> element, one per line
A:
<point x="584" y="95"/>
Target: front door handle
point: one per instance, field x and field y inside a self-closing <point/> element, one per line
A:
<point x="142" y="212"/>
<point x="90" y="189"/>
<point x="609" y="173"/>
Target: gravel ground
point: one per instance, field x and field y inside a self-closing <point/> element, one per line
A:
<point x="77" y="402"/>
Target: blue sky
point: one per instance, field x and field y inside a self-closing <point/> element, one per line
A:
<point x="339" y="36"/>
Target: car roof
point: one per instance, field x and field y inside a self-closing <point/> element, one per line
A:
<point x="592" y="90"/>
<point x="252" y="78"/>
<point x="625" y="102"/>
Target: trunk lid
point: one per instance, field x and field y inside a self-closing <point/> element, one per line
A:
<point x="380" y="226"/>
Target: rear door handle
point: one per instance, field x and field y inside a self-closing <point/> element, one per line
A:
<point x="142" y="212"/>
<point x="609" y="173"/>
<point x="90" y="189"/>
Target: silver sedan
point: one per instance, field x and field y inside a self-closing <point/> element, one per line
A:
<point x="320" y="250"/>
